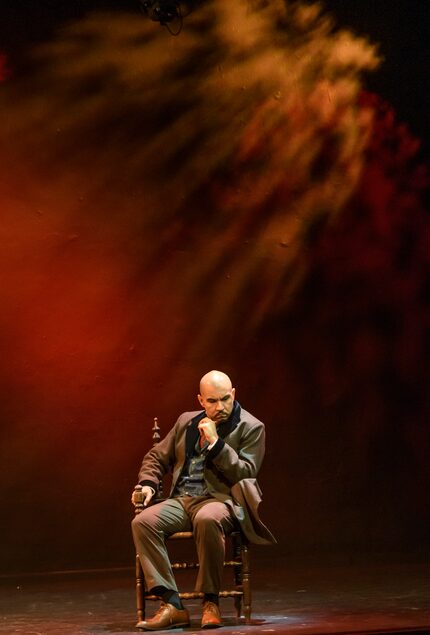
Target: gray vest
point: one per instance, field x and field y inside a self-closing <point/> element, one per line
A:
<point x="191" y="481"/>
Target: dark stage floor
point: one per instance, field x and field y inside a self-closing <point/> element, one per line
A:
<point x="287" y="598"/>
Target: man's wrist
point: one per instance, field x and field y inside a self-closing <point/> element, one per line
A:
<point x="216" y="448"/>
<point x="149" y="484"/>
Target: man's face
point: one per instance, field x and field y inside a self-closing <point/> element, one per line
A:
<point x="217" y="401"/>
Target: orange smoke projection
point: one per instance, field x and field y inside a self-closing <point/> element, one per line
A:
<point x="158" y="192"/>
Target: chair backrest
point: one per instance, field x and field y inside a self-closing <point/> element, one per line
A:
<point x="138" y="497"/>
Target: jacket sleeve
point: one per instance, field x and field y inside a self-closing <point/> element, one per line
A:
<point x="157" y="462"/>
<point x="246" y="461"/>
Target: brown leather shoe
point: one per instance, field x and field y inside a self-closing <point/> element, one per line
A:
<point x="167" y="616"/>
<point x="211" y="617"/>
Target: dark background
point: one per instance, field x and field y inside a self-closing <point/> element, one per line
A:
<point x="340" y="379"/>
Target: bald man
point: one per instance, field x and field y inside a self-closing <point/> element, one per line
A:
<point x="215" y="455"/>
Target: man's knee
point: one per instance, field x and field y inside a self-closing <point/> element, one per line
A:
<point x="206" y="524"/>
<point x="142" y="522"/>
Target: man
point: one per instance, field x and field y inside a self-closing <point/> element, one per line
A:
<point x="215" y="455"/>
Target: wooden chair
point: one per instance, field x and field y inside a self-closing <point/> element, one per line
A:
<point x="240" y="589"/>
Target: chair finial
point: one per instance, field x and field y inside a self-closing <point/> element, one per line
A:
<point x="155" y="431"/>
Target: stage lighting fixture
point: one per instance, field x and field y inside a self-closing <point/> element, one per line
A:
<point x="162" y="11"/>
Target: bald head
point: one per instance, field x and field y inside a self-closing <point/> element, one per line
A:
<point x="216" y="395"/>
<point x="215" y="378"/>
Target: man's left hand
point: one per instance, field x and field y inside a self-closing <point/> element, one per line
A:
<point x="207" y="429"/>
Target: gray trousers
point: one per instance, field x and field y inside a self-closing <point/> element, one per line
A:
<point x="208" y="519"/>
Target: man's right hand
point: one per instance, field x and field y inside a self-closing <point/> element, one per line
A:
<point x="145" y="495"/>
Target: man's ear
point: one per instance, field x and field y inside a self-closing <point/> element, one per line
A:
<point x="233" y="392"/>
<point x="200" y="398"/>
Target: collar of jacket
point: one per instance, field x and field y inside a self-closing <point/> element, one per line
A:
<point x="223" y="429"/>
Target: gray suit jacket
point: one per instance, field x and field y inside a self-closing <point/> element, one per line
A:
<point x="230" y="469"/>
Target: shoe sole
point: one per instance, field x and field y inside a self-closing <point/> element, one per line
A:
<point x="165" y="628"/>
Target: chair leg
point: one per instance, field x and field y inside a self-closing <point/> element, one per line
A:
<point x="140" y="591"/>
<point x="237" y="557"/>
<point x="238" y="607"/>
<point x="246" y="584"/>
